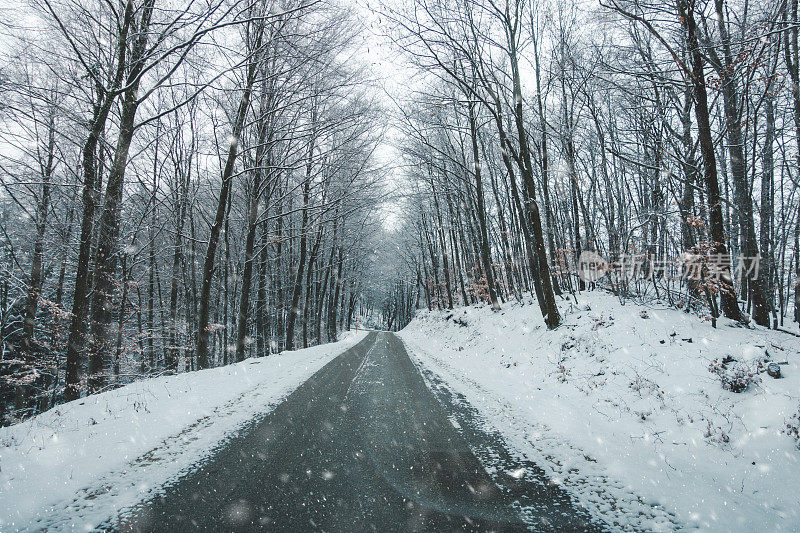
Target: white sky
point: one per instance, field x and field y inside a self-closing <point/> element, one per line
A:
<point x="393" y="79"/>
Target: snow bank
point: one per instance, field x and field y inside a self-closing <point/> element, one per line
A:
<point x="619" y="406"/>
<point x="80" y="463"/>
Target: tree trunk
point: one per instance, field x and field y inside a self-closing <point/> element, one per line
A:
<point x="765" y="273"/>
<point x="36" y="275"/>
<point x="545" y="165"/>
<point x="216" y="227"/>
<point x="309" y="288"/>
<point x="730" y="307"/>
<point x="106" y="256"/>
<point x="741" y="187"/>
<point x="90" y="193"/>
<point x="298" y="280"/>
<point x="792" y="58"/>
<point x="486" y="257"/>
<point x="262" y="326"/>
<point x="262" y="146"/>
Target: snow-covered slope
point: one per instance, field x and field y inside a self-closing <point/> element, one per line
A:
<point x="619" y="406"/>
<point x="76" y="465"/>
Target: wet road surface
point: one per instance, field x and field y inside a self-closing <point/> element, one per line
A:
<point x="361" y="446"/>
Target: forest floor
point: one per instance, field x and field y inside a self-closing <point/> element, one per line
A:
<point x="80" y="463"/>
<point x="620" y="407"/>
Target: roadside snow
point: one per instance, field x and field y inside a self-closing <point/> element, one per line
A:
<point x="80" y="463"/>
<point x="619" y="406"/>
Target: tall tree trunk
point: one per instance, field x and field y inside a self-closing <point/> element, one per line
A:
<point x="336" y="289"/>
<point x="298" y="280"/>
<point x="36" y="275"/>
<point x="439" y="230"/>
<point x="765" y="274"/>
<point x="216" y="227"/>
<point x="545" y="161"/>
<point x="792" y="57"/>
<point x="173" y="351"/>
<point x="730" y="307"/>
<point x="741" y="187"/>
<point x="454" y="244"/>
<point x="226" y="284"/>
<point x="548" y="305"/>
<point x="90" y="194"/>
<point x="569" y="151"/>
<point x="309" y="288"/>
<point x="278" y="276"/>
<point x="107" y="244"/>
<point x="247" y="271"/>
<point x="486" y="258"/>
<point x="123" y="309"/>
<point x="322" y="293"/>
<point x="151" y="271"/>
<point x="262" y="326"/>
<point x="252" y="224"/>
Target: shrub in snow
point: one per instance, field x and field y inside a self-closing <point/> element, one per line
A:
<point x="460" y="321"/>
<point x="793" y="427"/>
<point x="563" y="372"/>
<point x="716" y="434"/>
<point x="736" y="376"/>
<point x="646" y="387"/>
<point x="602" y="322"/>
<point x="568" y="344"/>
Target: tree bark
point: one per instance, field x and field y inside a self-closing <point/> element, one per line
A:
<point x="486" y="258"/>
<point x="216" y="227"/>
<point x="90" y="193"/>
<point x="741" y="187"/>
<point x="301" y="263"/>
<point x="36" y="275"/>
<point x="730" y="307"/>
<point x="106" y="256"/>
<point x="792" y="58"/>
<point x="263" y="145"/>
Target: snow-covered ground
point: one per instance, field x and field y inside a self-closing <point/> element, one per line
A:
<point x="78" y="464"/>
<point x="618" y="406"/>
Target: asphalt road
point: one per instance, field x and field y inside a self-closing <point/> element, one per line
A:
<point x="362" y="446"/>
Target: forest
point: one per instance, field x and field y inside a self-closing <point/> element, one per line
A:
<point x="189" y="184"/>
<point x="660" y="138"/>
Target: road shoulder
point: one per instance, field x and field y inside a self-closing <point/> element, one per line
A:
<point x="83" y="462"/>
<point x="525" y="455"/>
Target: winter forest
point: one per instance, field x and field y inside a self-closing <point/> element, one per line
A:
<point x="189" y="184"/>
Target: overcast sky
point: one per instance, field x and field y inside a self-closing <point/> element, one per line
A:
<point x="393" y="79"/>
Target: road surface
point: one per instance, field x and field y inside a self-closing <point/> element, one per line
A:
<point x="362" y="446"/>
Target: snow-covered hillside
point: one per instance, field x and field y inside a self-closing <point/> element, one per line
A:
<point x="76" y="465"/>
<point x="620" y="406"/>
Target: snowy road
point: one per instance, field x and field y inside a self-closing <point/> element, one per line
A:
<point x="363" y="445"/>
